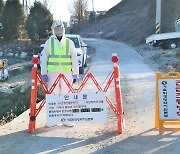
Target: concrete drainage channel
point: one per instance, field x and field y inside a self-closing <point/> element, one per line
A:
<point x="19" y="68"/>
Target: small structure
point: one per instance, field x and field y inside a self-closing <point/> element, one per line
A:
<point x="73" y="21"/>
<point x="96" y="14"/>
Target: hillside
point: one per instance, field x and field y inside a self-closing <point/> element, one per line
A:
<point x="131" y="21"/>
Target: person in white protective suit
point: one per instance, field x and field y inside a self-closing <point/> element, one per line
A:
<point x="59" y="56"/>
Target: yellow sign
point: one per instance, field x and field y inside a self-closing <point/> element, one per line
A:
<point x="167" y="105"/>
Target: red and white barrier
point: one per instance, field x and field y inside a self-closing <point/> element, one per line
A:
<point x="36" y="77"/>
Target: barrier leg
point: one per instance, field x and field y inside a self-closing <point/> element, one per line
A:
<point x="118" y="98"/>
<point x="32" y="120"/>
<point x="161" y="127"/>
<point x="158" y="76"/>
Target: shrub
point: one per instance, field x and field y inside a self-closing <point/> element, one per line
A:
<point x="1" y="9"/>
<point x="12" y="19"/>
<point x="39" y="21"/>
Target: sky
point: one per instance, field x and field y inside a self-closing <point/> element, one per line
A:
<point x="60" y="11"/>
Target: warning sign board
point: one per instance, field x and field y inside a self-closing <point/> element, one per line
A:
<point x="76" y="108"/>
<point x="169" y="98"/>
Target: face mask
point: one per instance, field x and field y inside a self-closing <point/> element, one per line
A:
<point x="58" y="31"/>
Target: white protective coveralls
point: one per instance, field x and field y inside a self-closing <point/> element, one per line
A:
<point x="61" y="87"/>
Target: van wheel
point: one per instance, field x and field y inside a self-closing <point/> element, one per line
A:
<point x="172" y="45"/>
<point x="81" y="69"/>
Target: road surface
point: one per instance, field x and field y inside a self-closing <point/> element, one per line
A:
<point x="138" y="94"/>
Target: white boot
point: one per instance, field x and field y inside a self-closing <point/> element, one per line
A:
<point x="52" y="125"/>
<point x="68" y="125"/>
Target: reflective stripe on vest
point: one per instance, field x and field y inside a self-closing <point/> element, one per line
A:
<point x="59" y="58"/>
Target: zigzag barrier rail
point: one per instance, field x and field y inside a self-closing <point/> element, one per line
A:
<point x="118" y="109"/>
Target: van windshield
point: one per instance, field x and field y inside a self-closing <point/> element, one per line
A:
<point x="75" y="40"/>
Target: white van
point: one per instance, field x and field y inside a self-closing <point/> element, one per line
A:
<point x="81" y="49"/>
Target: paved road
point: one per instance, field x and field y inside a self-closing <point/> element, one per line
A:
<point x="138" y="89"/>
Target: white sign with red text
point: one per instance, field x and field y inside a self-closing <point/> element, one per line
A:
<point x="76" y="108"/>
<point x="169" y="98"/>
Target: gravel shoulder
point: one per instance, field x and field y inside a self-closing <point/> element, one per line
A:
<point x="159" y="59"/>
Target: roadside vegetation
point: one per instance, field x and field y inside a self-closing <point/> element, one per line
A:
<point x="16" y="25"/>
<point x="39" y="22"/>
<point x="20" y="33"/>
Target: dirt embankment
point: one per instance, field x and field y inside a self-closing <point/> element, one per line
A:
<point x="17" y="46"/>
<point x="131" y="21"/>
<point x="161" y="60"/>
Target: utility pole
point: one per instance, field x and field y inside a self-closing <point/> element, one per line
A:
<point x="158" y="16"/>
<point x="25" y="6"/>
<point x="93" y="6"/>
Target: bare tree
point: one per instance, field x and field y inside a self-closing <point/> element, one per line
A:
<point x="77" y="8"/>
<point x="46" y="3"/>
